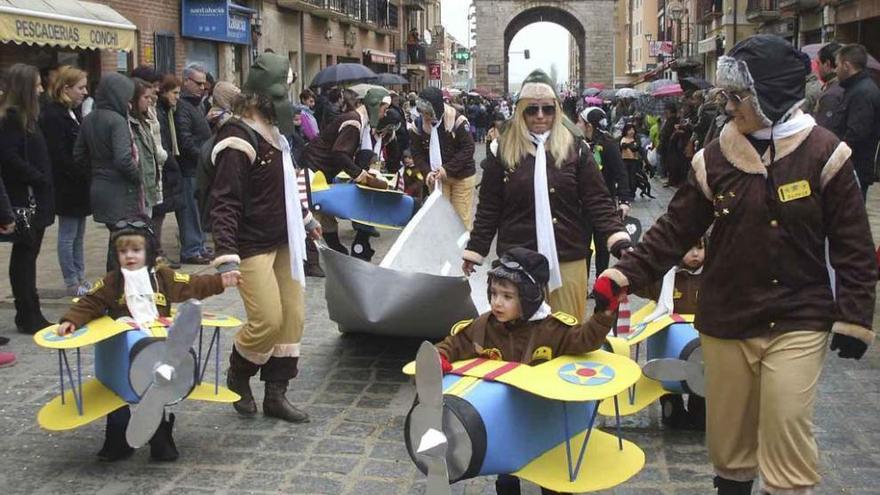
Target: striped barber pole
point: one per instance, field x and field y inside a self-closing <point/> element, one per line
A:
<point x="623" y="316"/>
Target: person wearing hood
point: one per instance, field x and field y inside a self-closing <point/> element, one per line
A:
<point x="521" y="328"/>
<point x="221" y="104"/>
<point x="259" y="229"/>
<point x="337" y="148"/>
<point x="443" y="149"/>
<point x="105" y="146"/>
<point x="773" y="187"/>
<point x="540" y="188"/>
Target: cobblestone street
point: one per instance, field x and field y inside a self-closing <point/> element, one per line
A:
<point x="352" y="387"/>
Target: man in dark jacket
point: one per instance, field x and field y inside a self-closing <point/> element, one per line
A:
<point x="192" y="132"/>
<point x="831" y="98"/>
<point x="859" y="122"/>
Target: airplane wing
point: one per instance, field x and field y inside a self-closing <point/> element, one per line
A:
<point x="641" y="331"/>
<point x="93" y="332"/>
<point x="633" y="400"/>
<point x="593" y="376"/>
<point x="98" y="401"/>
<point x="205" y="392"/>
<point x="604" y="465"/>
<point x="379" y="208"/>
<point x="215" y="320"/>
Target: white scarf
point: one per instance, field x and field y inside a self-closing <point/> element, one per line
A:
<point x="434" y="154"/>
<point x="296" y="230"/>
<point x="543" y="312"/>
<point x="138" y="293"/>
<point x="366" y="137"/>
<point x="543" y="215"/>
<point x="798" y="122"/>
<point x="666" y="301"/>
<point x="377" y="149"/>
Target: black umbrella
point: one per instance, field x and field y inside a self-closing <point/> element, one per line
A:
<point x="343" y="73"/>
<point x="389" y="79"/>
<point x="694" y="84"/>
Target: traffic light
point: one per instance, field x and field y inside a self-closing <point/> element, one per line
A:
<point x="526" y="53"/>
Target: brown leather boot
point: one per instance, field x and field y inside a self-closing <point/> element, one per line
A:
<point x="276" y="405"/>
<point x="238" y="379"/>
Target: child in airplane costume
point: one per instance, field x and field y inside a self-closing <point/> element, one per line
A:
<point x="776" y="186"/>
<point x="139" y="289"/>
<point x="520" y="327"/>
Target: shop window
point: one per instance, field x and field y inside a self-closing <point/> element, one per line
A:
<point x="122" y="64"/>
<point x="203" y="53"/>
<point x="163" y="52"/>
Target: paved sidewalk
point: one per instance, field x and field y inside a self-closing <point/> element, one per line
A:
<point x="358" y="399"/>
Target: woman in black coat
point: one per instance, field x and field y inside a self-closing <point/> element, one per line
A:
<point x="27" y="175"/>
<point x="60" y="120"/>
<point x="172" y="178"/>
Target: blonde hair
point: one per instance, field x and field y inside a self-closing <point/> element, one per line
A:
<point x="66" y="76"/>
<point x="515" y="142"/>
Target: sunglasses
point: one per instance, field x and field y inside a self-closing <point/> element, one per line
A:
<point x="515" y="266"/>
<point x="533" y="110"/>
<point x="137" y="224"/>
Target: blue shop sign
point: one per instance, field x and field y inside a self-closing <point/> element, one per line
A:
<point x="217" y="20"/>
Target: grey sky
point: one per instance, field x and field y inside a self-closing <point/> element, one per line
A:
<point x="546" y="42"/>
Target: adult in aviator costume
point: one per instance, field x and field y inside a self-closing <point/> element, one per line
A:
<point x="259" y="231"/>
<point x="443" y="150"/>
<point x="540" y="186"/>
<point x="776" y="186"/>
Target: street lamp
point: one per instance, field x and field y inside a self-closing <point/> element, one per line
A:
<point x="676" y="11"/>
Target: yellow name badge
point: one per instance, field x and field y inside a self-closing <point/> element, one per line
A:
<point x="159" y="299"/>
<point x="794" y="190"/>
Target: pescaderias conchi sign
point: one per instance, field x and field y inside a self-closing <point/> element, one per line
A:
<point x="34" y="30"/>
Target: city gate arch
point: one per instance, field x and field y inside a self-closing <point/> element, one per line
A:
<point x="590" y="22"/>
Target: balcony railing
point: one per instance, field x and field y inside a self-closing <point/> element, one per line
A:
<point x="380" y="13"/>
<point x="710" y="9"/>
<point x="762" y="10"/>
<point x="798" y="4"/>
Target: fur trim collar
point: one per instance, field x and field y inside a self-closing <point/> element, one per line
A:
<point x="738" y="151"/>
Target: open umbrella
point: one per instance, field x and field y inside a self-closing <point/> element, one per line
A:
<point x="659" y="83"/>
<point x="694" y="84"/>
<point x="606" y="94"/>
<point x="591" y="91"/>
<point x="627" y="93"/>
<point x="361" y="89"/>
<point x="343" y="73"/>
<point x="671" y="90"/>
<point x="812" y="51"/>
<point x="389" y="79"/>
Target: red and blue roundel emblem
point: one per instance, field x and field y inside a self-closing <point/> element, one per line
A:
<point x="587" y="373"/>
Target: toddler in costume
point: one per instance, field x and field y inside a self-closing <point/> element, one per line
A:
<point x="139" y="290"/>
<point x="520" y="327"/>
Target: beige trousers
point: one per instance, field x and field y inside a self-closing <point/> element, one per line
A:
<point x="571" y="298"/>
<point x="760" y="394"/>
<point x="460" y="192"/>
<point x="275" y="307"/>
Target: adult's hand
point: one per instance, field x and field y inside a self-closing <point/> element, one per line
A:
<point x="316" y="233"/>
<point x="231" y="279"/>
<point x="467" y="267"/>
<point x="7" y="228"/>
<point x="848" y="347"/>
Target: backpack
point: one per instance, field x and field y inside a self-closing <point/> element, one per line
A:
<point x="206" y="172"/>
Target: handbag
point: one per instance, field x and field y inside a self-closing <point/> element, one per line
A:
<point x="24" y="216"/>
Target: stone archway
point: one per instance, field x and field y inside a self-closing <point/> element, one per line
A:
<point x="591" y="22"/>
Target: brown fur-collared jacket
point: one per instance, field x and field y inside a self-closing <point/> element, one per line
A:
<point x="525" y="342"/>
<point x="107" y="296"/>
<point x="456" y="145"/>
<point x="334" y="150"/>
<point x="577" y="193"/>
<point x="765" y="268"/>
